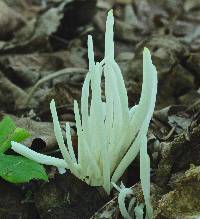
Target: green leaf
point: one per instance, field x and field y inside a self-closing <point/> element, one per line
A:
<point x="18" y="169"/>
<point x="9" y="132"/>
<point x="7" y="126"/>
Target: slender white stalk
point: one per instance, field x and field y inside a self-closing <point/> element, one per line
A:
<point x="58" y="134"/>
<point x="145" y="176"/>
<point x="109" y="36"/>
<point x="69" y="144"/>
<point x="122" y="92"/>
<point x="94" y="169"/>
<point x="139" y="211"/>
<point x="127" y="159"/>
<point x="91" y="54"/>
<point x="149" y="85"/>
<point x="117" y="121"/>
<point x="85" y="89"/>
<point x="81" y="152"/>
<point x="37" y="157"/>
<point x="85" y="119"/>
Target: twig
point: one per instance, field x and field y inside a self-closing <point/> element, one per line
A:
<point x="51" y="76"/>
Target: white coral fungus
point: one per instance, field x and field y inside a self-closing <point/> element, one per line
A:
<point x="109" y="134"/>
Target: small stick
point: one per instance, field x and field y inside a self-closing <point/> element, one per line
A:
<point x="51" y="76"/>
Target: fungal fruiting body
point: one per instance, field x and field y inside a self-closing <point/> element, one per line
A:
<point x="110" y="135"/>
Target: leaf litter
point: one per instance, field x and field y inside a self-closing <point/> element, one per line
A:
<point x="42" y="40"/>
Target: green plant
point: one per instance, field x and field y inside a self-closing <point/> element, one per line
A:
<point x="16" y="169"/>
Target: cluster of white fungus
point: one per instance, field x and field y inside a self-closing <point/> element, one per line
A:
<point x="110" y="135"/>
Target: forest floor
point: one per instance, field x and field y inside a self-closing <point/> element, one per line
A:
<point x="39" y="39"/>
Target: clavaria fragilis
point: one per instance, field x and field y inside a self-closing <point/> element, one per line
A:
<point x="110" y="135"/>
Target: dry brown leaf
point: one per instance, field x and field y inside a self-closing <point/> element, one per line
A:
<point x="10" y="21"/>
